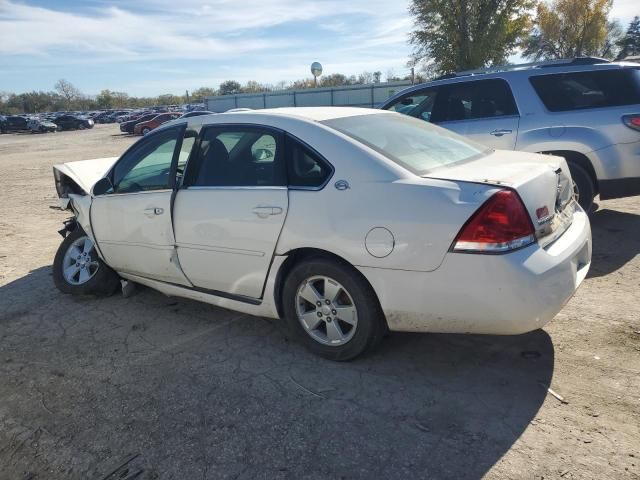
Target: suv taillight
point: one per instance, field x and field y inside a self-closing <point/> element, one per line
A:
<point x="632" y="121"/>
<point x="500" y="225"/>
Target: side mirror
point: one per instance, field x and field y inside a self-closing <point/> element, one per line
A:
<point x="102" y="187"/>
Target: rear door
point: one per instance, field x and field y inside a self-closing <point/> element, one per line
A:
<point x="231" y="208"/>
<point x="482" y="110"/>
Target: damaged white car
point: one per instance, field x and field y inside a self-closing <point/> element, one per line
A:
<point x="344" y="222"/>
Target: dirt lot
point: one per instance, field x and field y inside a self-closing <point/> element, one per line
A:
<point x="174" y="389"/>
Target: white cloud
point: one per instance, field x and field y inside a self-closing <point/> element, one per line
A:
<point x="625" y="10"/>
<point x="156" y="29"/>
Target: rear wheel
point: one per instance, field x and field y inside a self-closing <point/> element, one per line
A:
<point x="583" y="186"/>
<point x="145" y="130"/>
<point x="332" y="309"/>
<point x="78" y="270"/>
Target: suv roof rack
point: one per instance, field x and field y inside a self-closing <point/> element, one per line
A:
<point x="577" y="61"/>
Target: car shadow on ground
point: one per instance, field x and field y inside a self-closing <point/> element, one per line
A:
<point x="616" y="240"/>
<point x="200" y="392"/>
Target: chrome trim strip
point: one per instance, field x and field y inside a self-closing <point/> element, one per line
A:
<point x="213" y="248"/>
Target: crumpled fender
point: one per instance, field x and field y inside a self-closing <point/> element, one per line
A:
<point x="84" y="174"/>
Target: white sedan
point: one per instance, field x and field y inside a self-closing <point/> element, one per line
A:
<point x="344" y="222"/>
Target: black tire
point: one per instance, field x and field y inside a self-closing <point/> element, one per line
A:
<point x="371" y="325"/>
<point x="583" y="186"/>
<point x="104" y="282"/>
<point x="145" y="130"/>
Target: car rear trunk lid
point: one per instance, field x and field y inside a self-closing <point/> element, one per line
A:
<point x="542" y="181"/>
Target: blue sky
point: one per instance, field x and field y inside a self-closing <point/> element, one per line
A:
<point x="150" y="47"/>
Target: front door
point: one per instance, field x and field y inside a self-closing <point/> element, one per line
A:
<point x="132" y="223"/>
<point x="229" y="213"/>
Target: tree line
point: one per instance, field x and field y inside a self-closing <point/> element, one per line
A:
<point x="65" y="96"/>
<point x="455" y="35"/>
<point x="448" y="36"/>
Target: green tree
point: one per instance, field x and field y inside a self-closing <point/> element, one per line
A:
<point x="230" y="87"/>
<point x="105" y="99"/>
<point x="571" y="28"/>
<point x="253" y="87"/>
<point x="455" y="35"/>
<point x="200" y="94"/>
<point x="334" y="80"/>
<point x="68" y="91"/>
<point x="630" y="43"/>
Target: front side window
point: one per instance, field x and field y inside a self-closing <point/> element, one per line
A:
<point x="239" y="157"/>
<point x="596" y="89"/>
<point x="418" y="146"/>
<point x="418" y="104"/>
<point x="147" y="167"/>
<point x="474" y="100"/>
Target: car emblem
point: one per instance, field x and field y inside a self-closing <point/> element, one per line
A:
<point x="342" y="185"/>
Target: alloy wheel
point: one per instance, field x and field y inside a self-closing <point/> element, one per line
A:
<point x="326" y="311"/>
<point x="79" y="264"/>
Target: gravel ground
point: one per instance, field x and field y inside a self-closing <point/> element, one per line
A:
<point x="153" y="387"/>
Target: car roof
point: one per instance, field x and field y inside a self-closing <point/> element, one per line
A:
<point x="313" y="114"/>
<point x="526" y="70"/>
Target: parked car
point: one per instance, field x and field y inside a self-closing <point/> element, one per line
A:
<point x="345" y="222"/>
<point x="196" y="113"/>
<point x="127" y="127"/>
<point x="73" y="122"/>
<point x="586" y="110"/>
<point x="144" y="128"/>
<point x="14" y="123"/>
<point x="37" y="125"/>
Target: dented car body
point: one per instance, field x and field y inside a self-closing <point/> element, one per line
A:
<point x="344" y="222"/>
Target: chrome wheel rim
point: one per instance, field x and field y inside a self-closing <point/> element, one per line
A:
<point x="80" y="264"/>
<point x="326" y="311"/>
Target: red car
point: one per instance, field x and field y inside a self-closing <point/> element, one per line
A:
<point x="145" y="127"/>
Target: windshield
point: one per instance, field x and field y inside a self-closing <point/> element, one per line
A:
<point x="416" y="145"/>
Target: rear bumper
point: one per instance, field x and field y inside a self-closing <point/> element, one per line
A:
<point x="618" y="188"/>
<point x="487" y="294"/>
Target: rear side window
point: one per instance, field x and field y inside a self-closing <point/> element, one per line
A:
<point x="239" y="157"/>
<point x="580" y="90"/>
<point x="474" y="100"/>
<point x="304" y="167"/>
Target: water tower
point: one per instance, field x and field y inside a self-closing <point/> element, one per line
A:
<point x="316" y="71"/>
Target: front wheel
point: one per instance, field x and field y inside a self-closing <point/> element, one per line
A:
<point x="331" y="309"/>
<point x="145" y="130"/>
<point x="78" y="270"/>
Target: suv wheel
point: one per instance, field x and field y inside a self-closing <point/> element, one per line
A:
<point x="331" y="309"/>
<point x="582" y="186"/>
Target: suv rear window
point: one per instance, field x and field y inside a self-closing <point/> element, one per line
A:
<point x="596" y="89"/>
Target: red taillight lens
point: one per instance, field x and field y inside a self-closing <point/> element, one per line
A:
<point x="632" y="121"/>
<point x="500" y="225"/>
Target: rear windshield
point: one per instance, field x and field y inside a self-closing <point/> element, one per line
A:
<point x="595" y="89"/>
<point x="418" y="146"/>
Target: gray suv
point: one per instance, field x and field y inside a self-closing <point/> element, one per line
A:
<point x="586" y="110"/>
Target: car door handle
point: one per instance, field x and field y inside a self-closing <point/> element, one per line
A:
<point x="499" y="133"/>
<point x="264" y="212"/>
<point x="151" y="212"/>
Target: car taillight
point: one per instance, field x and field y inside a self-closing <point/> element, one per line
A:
<point x="632" y="121"/>
<point x="500" y="225"/>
